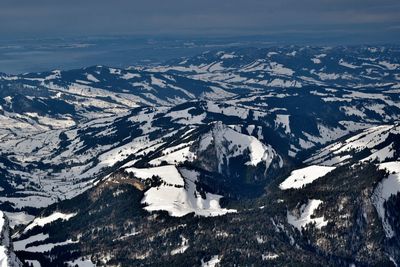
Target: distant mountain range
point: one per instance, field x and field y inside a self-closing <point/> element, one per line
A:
<point x="281" y="156"/>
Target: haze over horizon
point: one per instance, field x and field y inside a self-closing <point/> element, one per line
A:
<point x="44" y="35"/>
<point x="368" y="20"/>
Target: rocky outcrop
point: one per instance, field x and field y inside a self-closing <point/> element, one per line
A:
<point x="7" y="255"/>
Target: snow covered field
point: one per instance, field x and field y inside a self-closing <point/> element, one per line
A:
<point x="304" y="176"/>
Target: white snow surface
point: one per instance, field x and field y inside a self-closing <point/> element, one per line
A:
<point x="81" y="262"/>
<point x="182" y="248"/>
<point x="229" y="143"/>
<point x="269" y="256"/>
<point x="304" y="176"/>
<point x="338" y="153"/>
<point x="212" y="262"/>
<point x="18" y="218"/>
<point x="386" y="188"/>
<point x="90" y="77"/>
<point x="175" y="157"/>
<point x="169" y="174"/>
<point x="3" y="249"/>
<point x="279" y="69"/>
<point x="283" y="121"/>
<point x="347" y="65"/>
<point x="306" y="211"/>
<point x="34" y="263"/>
<point x="24" y="245"/>
<point x="178" y="194"/>
<point x="41" y="221"/>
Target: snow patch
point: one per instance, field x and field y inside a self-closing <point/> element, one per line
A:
<point x="212" y="262"/>
<point x="347" y="65"/>
<point x="283" y="121"/>
<point x="81" y="262"/>
<point x="269" y="256"/>
<point x="42" y="221"/>
<point x="91" y="78"/>
<point x="183" y="247"/>
<point x="304" y="176"/>
<point x="306" y="211"/>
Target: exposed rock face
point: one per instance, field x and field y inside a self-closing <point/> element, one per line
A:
<point x="7" y="255"/>
<point x="216" y="148"/>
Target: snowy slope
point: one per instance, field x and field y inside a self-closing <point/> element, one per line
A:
<point x="305" y="216"/>
<point x="376" y="144"/>
<point x="386" y="188"/>
<point x="304" y="176"/>
<point x="177" y="193"/>
<point x="228" y="143"/>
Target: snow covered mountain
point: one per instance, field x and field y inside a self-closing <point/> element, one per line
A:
<point x="352" y="185"/>
<point x="377" y="145"/>
<point x="146" y="153"/>
<point x="294" y="66"/>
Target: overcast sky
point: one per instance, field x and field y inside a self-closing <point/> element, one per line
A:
<point x="377" y="20"/>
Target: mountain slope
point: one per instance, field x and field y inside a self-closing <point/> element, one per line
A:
<point x="7" y="255"/>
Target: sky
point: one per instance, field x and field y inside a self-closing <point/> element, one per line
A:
<point x="368" y="20"/>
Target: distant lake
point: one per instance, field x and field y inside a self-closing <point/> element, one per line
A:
<point x="35" y="55"/>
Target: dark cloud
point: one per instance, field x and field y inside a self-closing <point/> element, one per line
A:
<point x="370" y="18"/>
